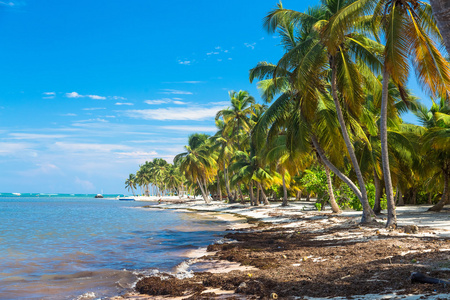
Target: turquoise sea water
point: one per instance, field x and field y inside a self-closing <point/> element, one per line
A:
<point x="71" y="247"/>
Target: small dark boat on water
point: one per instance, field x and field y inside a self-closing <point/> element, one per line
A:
<point x="99" y="196"/>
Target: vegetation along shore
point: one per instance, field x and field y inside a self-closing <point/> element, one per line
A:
<point x="331" y="128"/>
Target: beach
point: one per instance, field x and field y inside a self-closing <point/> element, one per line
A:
<point x="297" y="252"/>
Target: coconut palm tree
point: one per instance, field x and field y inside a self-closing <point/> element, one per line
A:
<point x="198" y="163"/>
<point x="409" y="31"/>
<point x="130" y="183"/>
<point x="350" y="58"/>
<point x="236" y="117"/>
<point x="436" y="140"/>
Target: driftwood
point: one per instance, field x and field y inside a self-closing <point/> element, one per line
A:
<point x="417" y="277"/>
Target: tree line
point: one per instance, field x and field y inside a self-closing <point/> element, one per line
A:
<point x="332" y="120"/>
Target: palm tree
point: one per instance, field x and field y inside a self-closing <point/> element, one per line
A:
<point x="409" y="30"/>
<point x="406" y="37"/>
<point x="236" y="117"/>
<point x="197" y="163"/>
<point x="130" y="183"/>
<point x="437" y="140"/>
<point x="224" y="148"/>
<point x="350" y="56"/>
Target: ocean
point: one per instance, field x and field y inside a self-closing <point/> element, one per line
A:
<point x="79" y="247"/>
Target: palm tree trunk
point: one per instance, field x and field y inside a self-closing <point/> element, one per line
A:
<point x="266" y="201"/>
<point x="240" y="194"/>
<point x="219" y="190"/>
<point x="250" y="192"/>
<point x="334" y="206"/>
<point x="257" y="194"/>
<point x="367" y="211"/>
<point x="299" y="196"/>
<point x="205" y="197"/>
<point x="441" y="11"/>
<point x="335" y="170"/>
<point x="444" y="198"/>
<point x="401" y="201"/>
<point x="378" y="193"/>
<point x="227" y="183"/>
<point x="392" y="215"/>
<point x="285" y="196"/>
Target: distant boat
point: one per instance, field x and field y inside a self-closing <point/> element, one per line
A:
<point x="17" y="194"/>
<point x="99" y="196"/>
<point x="126" y="198"/>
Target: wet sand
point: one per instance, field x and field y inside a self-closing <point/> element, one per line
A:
<point x="294" y="253"/>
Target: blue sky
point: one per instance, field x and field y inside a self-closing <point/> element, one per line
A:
<point x="91" y="89"/>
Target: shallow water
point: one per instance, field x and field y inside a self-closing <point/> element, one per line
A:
<point x="61" y="248"/>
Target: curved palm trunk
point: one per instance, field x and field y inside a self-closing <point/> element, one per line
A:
<point x="334" y="206"/>
<point x="285" y="195"/>
<point x="367" y="211"/>
<point x="445" y="197"/>
<point x="266" y="201"/>
<point x="335" y="170"/>
<point x="441" y="11"/>
<point x="241" y="195"/>
<point x="392" y="215"/>
<point x="205" y="197"/>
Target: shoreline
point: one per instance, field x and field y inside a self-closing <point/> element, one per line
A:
<point x="297" y="220"/>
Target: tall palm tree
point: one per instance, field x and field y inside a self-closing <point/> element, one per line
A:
<point x="197" y="163"/>
<point x="407" y="37"/>
<point x="236" y="117"/>
<point x="130" y="183"/>
<point x="409" y="32"/>
<point x="350" y="58"/>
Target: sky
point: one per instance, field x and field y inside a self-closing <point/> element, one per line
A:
<point x="89" y="90"/>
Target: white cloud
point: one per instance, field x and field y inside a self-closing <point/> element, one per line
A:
<point x="96" y="97"/>
<point x="118" y="98"/>
<point x="175" y="92"/>
<point x="97" y="120"/>
<point x="217" y="48"/>
<point x="124" y="103"/>
<point x="248" y="45"/>
<point x="7" y="3"/>
<point x="190" y="128"/>
<point x="86" y="147"/>
<point x="158" y="101"/>
<point x="85" y="184"/>
<point x="49" y="93"/>
<point x="35" y="136"/>
<point x="219" y="59"/>
<point x="42" y="169"/>
<point x="184" y="62"/>
<point x="179" y="102"/>
<point x="74" y="95"/>
<point x="13" y="148"/>
<point x="137" y="154"/>
<point x="229" y="58"/>
<point x="174" y="113"/>
<point x="69" y="115"/>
